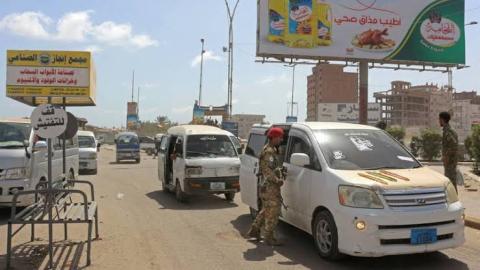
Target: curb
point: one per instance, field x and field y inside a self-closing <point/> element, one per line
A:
<point x="472" y="222"/>
<point x="472" y="176"/>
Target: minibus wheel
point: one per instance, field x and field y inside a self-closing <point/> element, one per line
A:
<point x="325" y="236"/>
<point x="179" y="194"/>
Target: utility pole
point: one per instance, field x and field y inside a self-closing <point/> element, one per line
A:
<point x="201" y="72"/>
<point x="231" y="15"/>
<point x="138" y="100"/>
<point x="363" y="92"/>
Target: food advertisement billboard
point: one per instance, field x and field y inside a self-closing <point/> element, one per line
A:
<point x="386" y="31"/>
<point x="59" y="74"/>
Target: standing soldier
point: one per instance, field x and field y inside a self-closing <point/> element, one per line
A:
<point x="449" y="148"/>
<point x="271" y="176"/>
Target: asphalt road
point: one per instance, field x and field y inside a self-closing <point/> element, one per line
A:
<point x="144" y="228"/>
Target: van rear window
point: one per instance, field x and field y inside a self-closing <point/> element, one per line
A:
<point x="255" y="145"/>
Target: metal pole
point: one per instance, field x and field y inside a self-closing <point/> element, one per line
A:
<point x="363" y="93"/>
<point x="201" y="73"/>
<point x="293" y="90"/>
<point x="64" y="155"/>
<point x="231" y="15"/>
<point x="133" y="83"/>
<point x="49" y="198"/>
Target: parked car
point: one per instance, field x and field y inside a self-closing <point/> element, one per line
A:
<point x="23" y="160"/>
<point x="196" y="159"/>
<point x="147" y="144"/>
<point x="88" y="148"/>
<point x="127" y="147"/>
<point x="357" y="191"/>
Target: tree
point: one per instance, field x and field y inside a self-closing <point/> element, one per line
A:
<point x="162" y="119"/>
<point x="397" y="132"/>
<point x="475" y="147"/>
<point x="431" y="141"/>
<point x="468" y="146"/>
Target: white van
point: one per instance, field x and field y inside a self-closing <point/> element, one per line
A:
<point x="197" y="159"/>
<point x="357" y="191"/>
<point x="87" y="152"/>
<point x="23" y="160"/>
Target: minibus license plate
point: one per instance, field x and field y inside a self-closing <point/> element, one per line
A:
<point x="423" y="236"/>
<point x="217" y="186"/>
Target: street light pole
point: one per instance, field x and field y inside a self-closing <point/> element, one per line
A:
<point x="201" y="72"/>
<point x="293" y="87"/>
<point x="231" y="15"/>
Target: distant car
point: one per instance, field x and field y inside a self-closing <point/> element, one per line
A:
<point x="147" y="144"/>
<point x="127" y="147"/>
<point x="87" y="152"/>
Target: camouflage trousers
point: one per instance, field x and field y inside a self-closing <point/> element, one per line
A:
<point x="451" y="173"/>
<point x="268" y="216"/>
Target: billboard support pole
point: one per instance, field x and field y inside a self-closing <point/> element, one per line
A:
<point x="363" y="93"/>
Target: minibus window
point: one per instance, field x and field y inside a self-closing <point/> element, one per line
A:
<point x="13" y="134"/>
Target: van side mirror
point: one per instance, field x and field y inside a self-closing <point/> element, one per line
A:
<point x="115" y="141"/>
<point x="40" y="146"/>
<point x="26" y="143"/>
<point x="98" y="147"/>
<point x="240" y="150"/>
<point x="300" y="159"/>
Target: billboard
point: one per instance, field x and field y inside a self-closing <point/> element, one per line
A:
<point x="400" y="32"/>
<point x="132" y="108"/>
<point x="292" y="119"/>
<point x="347" y="112"/>
<point x="51" y="74"/>
<point x="231" y="127"/>
<point x="132" y="121"/>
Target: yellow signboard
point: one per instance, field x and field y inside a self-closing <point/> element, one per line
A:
<point x="34" y="75"/>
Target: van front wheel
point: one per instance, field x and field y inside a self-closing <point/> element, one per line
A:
<point x="325" y="236"/>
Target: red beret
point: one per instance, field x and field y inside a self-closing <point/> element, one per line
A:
<point x="275" y="133"/>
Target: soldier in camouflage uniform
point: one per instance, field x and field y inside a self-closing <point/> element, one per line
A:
<point x="272" y="179"/>
<point x="449" y="148"/>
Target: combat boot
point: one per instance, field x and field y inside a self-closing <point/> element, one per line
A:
<point x="254" y="232"/>
<point x="272" y="241"/>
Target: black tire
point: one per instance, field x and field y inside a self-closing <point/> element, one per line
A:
<point x="230" y="196"/>
<point x="179" y="194"/>
<point x="325" y="236"/>
<point x="94" y="172"/>
<point x="137" y="160"/>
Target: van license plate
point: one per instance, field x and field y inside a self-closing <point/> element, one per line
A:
<point x="423" y="236"/>
<point x="217" y="186"/>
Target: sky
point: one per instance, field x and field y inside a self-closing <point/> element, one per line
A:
<point x="160" y="40"/>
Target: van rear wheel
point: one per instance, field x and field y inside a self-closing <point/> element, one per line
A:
<point x="230" y="196"/>
<point x="326" y="236"/>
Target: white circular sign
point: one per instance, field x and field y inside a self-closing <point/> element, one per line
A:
<point x="49" y="121"/>
<point x="442" y="32"/>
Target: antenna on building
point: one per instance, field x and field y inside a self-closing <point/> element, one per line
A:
<point x="133" y="82"/>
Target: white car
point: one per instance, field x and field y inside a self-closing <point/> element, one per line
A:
<point x="23" y="160"/>
<point x="88" y="148"/>
<point x="357" y="191"/>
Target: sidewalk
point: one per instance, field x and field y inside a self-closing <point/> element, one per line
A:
<point x="470" y="196"/>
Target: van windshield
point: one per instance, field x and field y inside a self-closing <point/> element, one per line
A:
<point x="86" y="142"/>
<point x="12" y="135"/>
<point x="363" y="150"/>
<point x="127" y="139"/>
<point x="210" y="146"/>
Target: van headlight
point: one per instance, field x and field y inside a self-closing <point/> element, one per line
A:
<point x="358" y="197"/>
<point x="451" y="193"/>
<point x="191" y="170"/>
<point x="15" y="174"/>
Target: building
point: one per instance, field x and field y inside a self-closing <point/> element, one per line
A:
<point x="347" y="113"/>
<point x="414" y="106"/>
<point x="245" y="123"/>
<point x="466" y="113"/>
<point x="330" y="84"/>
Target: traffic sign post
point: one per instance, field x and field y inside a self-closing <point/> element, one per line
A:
<point x="49" y="122"/>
